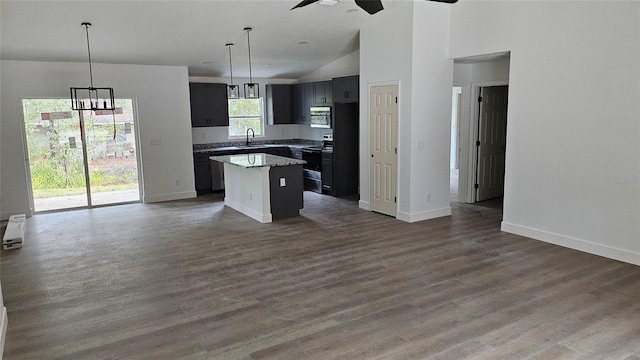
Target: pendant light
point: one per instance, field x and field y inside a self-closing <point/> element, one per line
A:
<point x="233" y="91"/>
<point x="251" y="89"/>
<point x="91" y="98"/>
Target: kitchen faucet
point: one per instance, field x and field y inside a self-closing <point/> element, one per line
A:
<point x="253" y="134"/>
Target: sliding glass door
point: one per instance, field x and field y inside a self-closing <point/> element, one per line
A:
<point x="67" y="172"/>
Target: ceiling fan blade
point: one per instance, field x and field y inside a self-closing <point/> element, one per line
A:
<point x="370" y="6"/>
<point x="446" y="1"/>
<point x="304" y="3"/>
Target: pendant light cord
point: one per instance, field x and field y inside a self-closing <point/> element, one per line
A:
<point x="86" y="28"/>
<point x="249" y="46"/>
<point x="230" y="66"/>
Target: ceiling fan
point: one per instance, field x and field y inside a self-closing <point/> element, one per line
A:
<point x="370" y="6"/>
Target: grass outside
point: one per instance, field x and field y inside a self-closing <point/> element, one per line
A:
<point x="47" y="193"/>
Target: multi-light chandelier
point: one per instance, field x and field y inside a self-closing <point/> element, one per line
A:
<point x="91" y="98"/>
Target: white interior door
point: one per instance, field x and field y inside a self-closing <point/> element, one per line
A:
<point x="383" y="110"/>
<point x="491" y="143"/>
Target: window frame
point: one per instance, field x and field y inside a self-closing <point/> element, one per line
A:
<point x="262" y="121"/>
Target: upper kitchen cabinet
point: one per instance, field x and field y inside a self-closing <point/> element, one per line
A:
<point x="302" y="101"/>
<point x="209" y="105"/>
<point x="279" y="104"/>
<point x="322" y="93"/>
<point x="346" y="89"/>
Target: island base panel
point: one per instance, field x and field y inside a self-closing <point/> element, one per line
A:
<point x="286" y="195"/>
<point x="247" y="191"/>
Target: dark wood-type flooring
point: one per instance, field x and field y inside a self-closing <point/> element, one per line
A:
<point x="195" y="280"/>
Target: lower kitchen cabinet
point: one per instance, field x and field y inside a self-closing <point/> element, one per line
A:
<point x="327" y="173"/>
<point x="209" y="174"/>
<point x="202" y="170"/>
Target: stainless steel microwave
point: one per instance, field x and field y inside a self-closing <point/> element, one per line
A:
<point x="320" y="117"/>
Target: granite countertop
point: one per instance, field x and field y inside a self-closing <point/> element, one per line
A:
<point x="212" y="148"/>
<point x="257" y="160"/>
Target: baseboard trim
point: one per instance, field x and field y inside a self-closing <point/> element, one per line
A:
<point x="424" y="215"/>
<point x="4" y="215"/>
<point x="170" y="197"/>
<point x="364" y="205"/>
<point x="573" y="243"/>
<point x="263" y="218"/>
<point x="3" y="334"/>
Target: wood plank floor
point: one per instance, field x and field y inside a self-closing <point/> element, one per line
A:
<point x="195" y="280"/>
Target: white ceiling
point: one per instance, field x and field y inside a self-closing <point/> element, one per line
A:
<point x="187" y="33"/>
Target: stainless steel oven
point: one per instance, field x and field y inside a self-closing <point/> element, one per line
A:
<point x="312" y="169"/>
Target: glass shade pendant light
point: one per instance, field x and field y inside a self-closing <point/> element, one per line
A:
<point x="91" y="98"/>
<point x="251" y="89"/>
<point x="233" y="91"/>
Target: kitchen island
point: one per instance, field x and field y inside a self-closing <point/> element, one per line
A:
<point x="262" y="186"/>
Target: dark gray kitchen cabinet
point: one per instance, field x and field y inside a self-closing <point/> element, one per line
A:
<point x="298" y="104"/>
<point x="327" y="173"/>
<point x="209" y="105"/>
<point x="279" y="99"/>
<point x="346" y="89"/>
<point x="323" y="93"/>
<point x="202" y="170"/>
<point x="296" y="153"/>
<point x="302" y="101"/>
<point x="345" y="156"/>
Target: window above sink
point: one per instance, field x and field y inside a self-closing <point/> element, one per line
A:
<point x="245" y="114"/>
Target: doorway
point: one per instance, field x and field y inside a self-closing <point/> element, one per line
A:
<point x="383" y="165"/>
<point x="454" y="168"/>
<point x="66" y="172"/>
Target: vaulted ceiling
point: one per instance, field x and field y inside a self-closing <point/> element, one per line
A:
<point x="284" y="43"/>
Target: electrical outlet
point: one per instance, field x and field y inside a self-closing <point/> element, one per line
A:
<point x="177" y="182"/>
<point x="420" y="145"/>
<point x="428" y="196"/>
<point x="281" y="131"/>
<point x="283" y="182"/>
<point x="250" y="196"/>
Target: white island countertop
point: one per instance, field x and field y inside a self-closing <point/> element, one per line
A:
<point x="257" y="160"/>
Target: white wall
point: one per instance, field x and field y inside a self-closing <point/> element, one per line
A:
<point x="382" y="38"/>
<point x="418" y="31"/>
<point x="345" y="66"/>
<point x="430" y="112"/>
<point x="481" y="72"/>
<point x="3" y="309"/>
<point x="573" y="155"/>
<point x="162" y="98"/>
